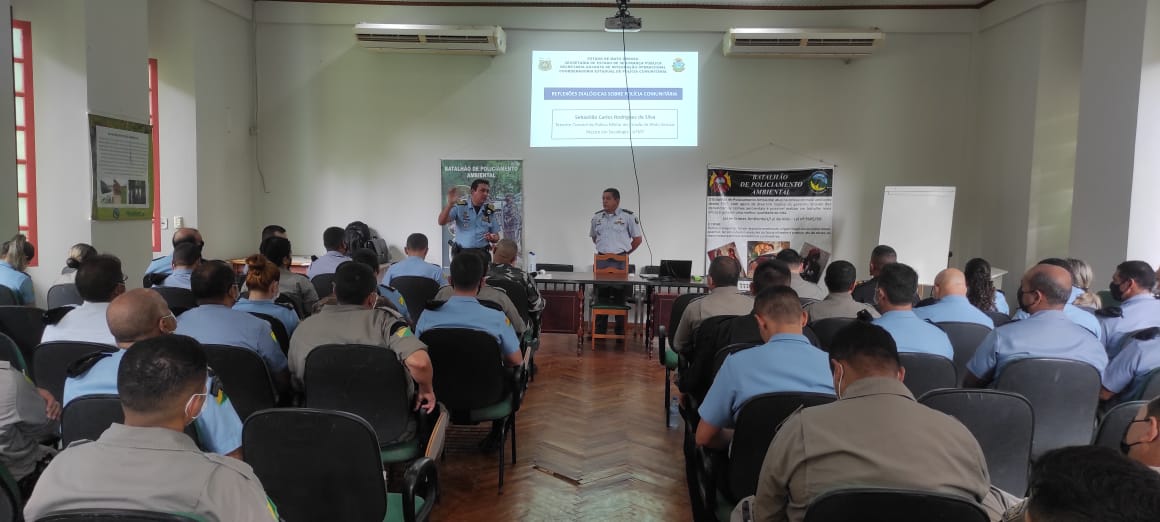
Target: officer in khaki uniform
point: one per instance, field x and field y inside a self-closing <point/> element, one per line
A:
<point x="724" y="299"/>
<point x="147" y="463"/>
<point x="27" y="416"/>
<point x="839" y="303"/>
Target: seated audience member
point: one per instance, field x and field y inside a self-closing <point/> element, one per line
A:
<point x="277" y="250"/>
<point x="881" y="256"/>
<point x="1132" y="286"/>
<point x="31" y="415"/>
<point x="99" y="281"/>
<point x="1081" y="278"/>
<point x="895" y="289"/>
<point x="981" y="290"/>
<point x="1047" y="332"/>
<point x="1090" y="483"/>
<point x="1127" y="373"/>
<point x="840" y="279"/>
<point x="806" y="290"/>
<point x="723" y="299"/>
<point x="186" y="258"/>
<point x="875" y="435"/>
<point x="744" y="329"/>
<point x="389" y="297"/>
<point x="334" y="240"/>
<point x="463" y="309"/>
<point x="415" y="264"/>
<point x="270" y="231"/>
<point x="148" y="463"/>
<point x="164" y="264"/>
<point x="214" y="321"/>
<point x="1142" y="439"/>
<point x="76" y="255"/>
<point x="355" y="320"/>
<point x="950" y="288"/>
<point x="262" y="279"/>
<point x="488" y="293"/>
<point x="15" y="255"/>
<point x="787" y="362"/>
<point x="503" y="267"/>
<point x="1078" y="315"/>
<point x="135" y="316"/>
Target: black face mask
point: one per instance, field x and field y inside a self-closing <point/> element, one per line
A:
<point x="1125" y="447"/>
<point x="1115" y="290"/>
<point x="1019" y="299"/>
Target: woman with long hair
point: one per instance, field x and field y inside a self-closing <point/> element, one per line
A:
<point x="76" y="255"/>
<point x="262" y="281"/>
<point x="1081" y="278"/>
<point x="15" y="254"/>
<point x="981" y="291"/>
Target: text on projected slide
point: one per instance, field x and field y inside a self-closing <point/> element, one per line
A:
<point x="581" y="99"/>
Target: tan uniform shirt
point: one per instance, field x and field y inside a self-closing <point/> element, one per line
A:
<point x="806" y="289"/>
<point x="349" y="324"/>
<point x="22" y="422"/>
<point x="875" y="436"/>
<point x="724" y="300"/>
<point x="838" y="304"/>
<point x="153" y="469"/>
<point x="495" y="295"/>
<point x="299" y="286"/>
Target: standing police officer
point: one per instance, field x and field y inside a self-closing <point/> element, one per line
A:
<point x="475" y="222"/>
<point x="614" y="231"/>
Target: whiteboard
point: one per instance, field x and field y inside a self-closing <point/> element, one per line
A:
<point x="916" y="222"/>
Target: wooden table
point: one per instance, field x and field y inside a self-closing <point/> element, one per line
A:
<point x="298" y="264"/>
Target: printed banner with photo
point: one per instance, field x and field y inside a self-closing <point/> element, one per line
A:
<point x="506" y="178"/>
<point x="755" y="213"/>
<point x="122" y="162"/>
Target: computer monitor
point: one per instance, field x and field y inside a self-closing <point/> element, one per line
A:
<point x="676" y="269"/>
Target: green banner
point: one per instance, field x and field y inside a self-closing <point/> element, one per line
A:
<point x="122" y="160"/>
<point x="506" y="178"/>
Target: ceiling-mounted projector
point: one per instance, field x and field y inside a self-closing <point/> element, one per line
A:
<point x="622" y="21"/>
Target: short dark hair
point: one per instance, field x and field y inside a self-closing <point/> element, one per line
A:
<point x="271" y="230"/>
<point x="899" y="282"/>
<point x="769" y="273"/>
<point x="865" y="346"/>
<point x="98" y="277"/>
<point x="367" y="257"/>
<point x="789" y="256"/>
<point x="276" y="249"/>
<point x="615" y="193"/>
<point x="840" y="275"/>
<point x="212" y="280"/>
<point x="724" y="270"/>
<point x="333" y="238"/>
<point x="417" y="241"/>
<point x="1082" y="483"/>
<point x="353" y="282"/>
<point x="883" y="253"/>
<point x="1054" y="294"/>
<point x="1138" y="271"/>
<point x="186" y="254"/>
<point x="475" y="183"/>
<point x="779" y="304"/>
<point x="466" y="270"/>
<point x="158" y="373"/>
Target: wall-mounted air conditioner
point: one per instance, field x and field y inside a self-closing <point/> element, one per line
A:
<point x="442" y="39"/>
<point x="801" y="43"/>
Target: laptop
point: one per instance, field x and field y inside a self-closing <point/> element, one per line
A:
<point x="676" y="270"/>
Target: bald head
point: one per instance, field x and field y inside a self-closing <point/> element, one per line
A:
<point x="187" y="235"/>
<point x="138" y="314"/>
<point x="950" y="282"/>
<point x="1050" y="285"/>
<point x="506" y="251"/>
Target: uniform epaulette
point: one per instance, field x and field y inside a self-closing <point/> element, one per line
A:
<point x="84" y="364"/>
<point x="1110" y="311"/>
<point x="461" y="202"/>
<point x="54" y="315"/>
<point x="1147" y="334"/>
<point x="235" y="465"/>
<point x="78" y="442"/>
<point x="598" y="212"/>
<point x="435" y="304"/>
<point x="864" y="316"/>
<point x="626" y="211"/>
<point x="1008" y="323"/>
<point x="217" y="393"/>
<point x="395" y="314"/>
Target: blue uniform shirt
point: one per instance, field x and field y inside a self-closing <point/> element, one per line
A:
<point x="469" y="223"/>
<point x="1048" y="333"/>
<point x="1077" y="315"/>
<point x="954" y="308"/>
<point x="414" y="266"/>
<point x="218" y="426"/>
<point x="326" y="263"/>
<point x="614" y="232"/>
<point x="216" y="324"/>
<point x="1125" y="374"/>
<point x="466" y="312"/>
<point x="179" y="278"/>
<point x="1139" y="312"/>
<point x="787" y="363"/>
<point x="19" y="282"/>
<point x="1001" y="303"/>
<point x="396" y="299"/>
<point x="914" y="335"/>
<point x="286" y="316"/>
<point x="161" y="265"/>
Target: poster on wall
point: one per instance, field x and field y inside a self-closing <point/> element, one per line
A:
<point x="755" y="213"/>
<point x="506" y="178"/>
<point x="122" y="162"/>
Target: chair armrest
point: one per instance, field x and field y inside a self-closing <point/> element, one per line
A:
<point x="433" y="441"/>
<point x="420" y="479"/>
<point x="712" y="463"/>
<point x="519" y="384"/>
<point x="662" y="350"/>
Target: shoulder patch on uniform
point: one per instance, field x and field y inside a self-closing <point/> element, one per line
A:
<point x="403" y="331"/>
<point x="84" y="364"/>
<point x="216" y="391"/>
<point x="489" y="206"/>
<point x="1110" y="311"/>
<point x="54" y="315"/>
<point x="1147" y="334"/>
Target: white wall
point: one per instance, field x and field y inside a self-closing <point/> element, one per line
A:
<point x="1142" y="243"/>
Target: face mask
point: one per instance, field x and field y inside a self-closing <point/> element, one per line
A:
<point x="1126" y="447"/>
<point x="204" y="396"/>
<point x="1115" y="290"/>
<point x="1019" y="299"/>
<point x="838" y="388"/>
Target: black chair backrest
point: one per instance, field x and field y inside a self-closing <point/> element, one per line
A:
<point x="50" y="362"/>
<point x="678" y="309"/>
<point x="1151" y="388"/>
<point x="926" y="372"/>
<point x="295" y="301"/>
<point x="8" y="297"/>
<point x="113" y="515"/>
<point x="1114" y="424"/>
<point x="11" y="353"/>
<point x="323" y="285"/>
<point x="825" y="329"/>
<point x="757" y="423"/>
<point x="10" y="497"/>
<point x="809" y="333"/>
<point x="63" y="295"/>
<point x="23" y="324"/>
<point x="179" y="299"/>
<point x="516" y="293"/>
<point x="316" y="464"/>
<point x="892" y="505"/>
<point x="278" y="328"/>
<point x="965" y="339"/>
<point x="468" y="371"/>
<point x="999" y="318"/>
<point x="696" y="374"/>
<point x="88" y="416"/>
<point x="152" y="280"/>
<point x="1002" y="422"/>
<point x="368" y="381"/>
<point x="417" y="291"/>
<point x="555" y="267"/>
<point x="244" y="377"/>
<point x="1064" y="394"/>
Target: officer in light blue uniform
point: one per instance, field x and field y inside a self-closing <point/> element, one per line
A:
<point x="389" y="293"/>
<point x="178" y="278"/>
<point x="18" y="282"/>
<point x="164" y="264"/>
<point x="614" y="230"/>
<point x="1001" y="303"/>
<point x="463" y="310"/>
<point x="334" y="240"/>
<point x="220" y="324"/>
<point x="1127" y="374"/>
<point x="186" y="258"/>
<point x="897" y="284"/>
<point x="284" y="315"/>
<point x="950" y="287"/>
<point x="475" y="223"/>
<point x="415" y="264"/>
<point x="160" y="265"/>
<point x="1132" y="286"/>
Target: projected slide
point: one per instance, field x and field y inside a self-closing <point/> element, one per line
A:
<point x="579" y="99"/>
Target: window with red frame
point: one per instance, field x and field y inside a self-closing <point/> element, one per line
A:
<point x="25" y="131"/>
<point x="156" y="156"/>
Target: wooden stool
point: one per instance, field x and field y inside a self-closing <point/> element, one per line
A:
<point x="610" y="311"/>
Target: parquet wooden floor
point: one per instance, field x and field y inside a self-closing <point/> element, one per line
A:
<point x="592" y="446"/>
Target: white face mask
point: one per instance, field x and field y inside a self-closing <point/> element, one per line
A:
<point x="838" y="388"/>
<point x="204" y="396"/>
